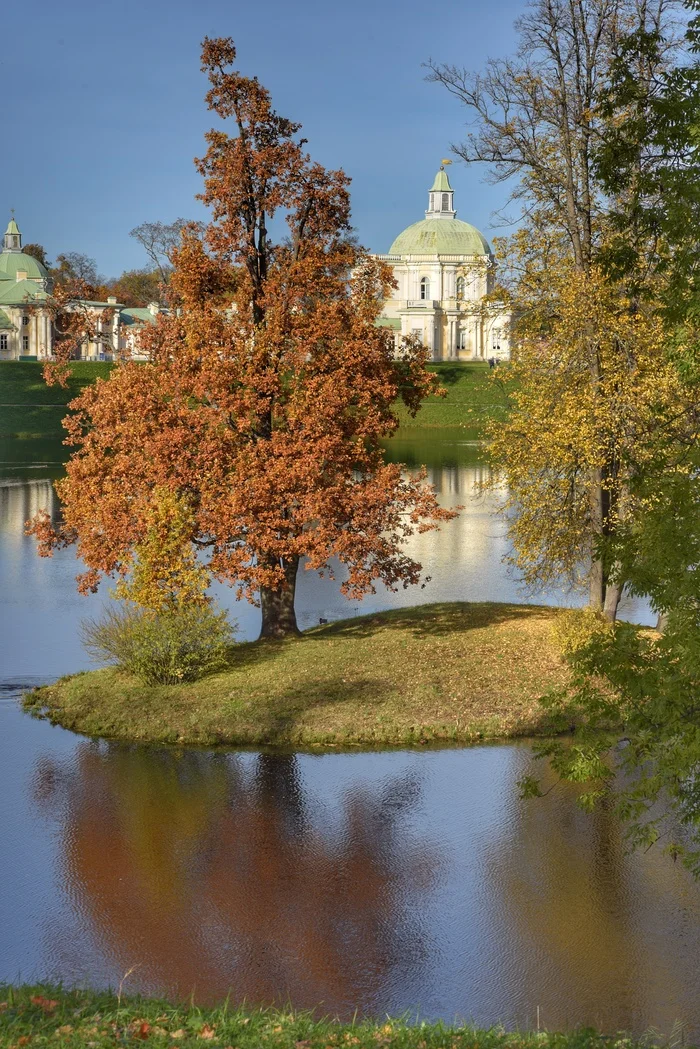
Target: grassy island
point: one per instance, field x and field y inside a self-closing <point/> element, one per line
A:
<point x="444" y="672"/>
<point x="50" y="1015"/>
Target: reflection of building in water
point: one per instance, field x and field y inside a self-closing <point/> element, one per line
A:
<point x="458" y="480"/>
<point x="20" y="500"/>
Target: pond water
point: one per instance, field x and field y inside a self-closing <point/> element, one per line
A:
<point x="383" y="882"/>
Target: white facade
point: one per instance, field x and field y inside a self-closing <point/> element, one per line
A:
<point x="445" y="270"/>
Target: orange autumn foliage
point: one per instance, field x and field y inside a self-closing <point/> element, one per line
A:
<point x="268" y="392"/>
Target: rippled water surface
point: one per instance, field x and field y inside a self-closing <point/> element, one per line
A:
<point x="381" y="882"/>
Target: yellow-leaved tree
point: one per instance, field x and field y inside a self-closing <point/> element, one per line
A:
<point x="593" y="395"/>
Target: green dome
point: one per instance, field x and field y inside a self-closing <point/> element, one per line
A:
<point x="440" y="237"/>
<point x="12" y="262"/>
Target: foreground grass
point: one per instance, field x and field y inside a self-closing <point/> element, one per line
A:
<point x="445" y="672"/>
<point x="48" y="1015"/>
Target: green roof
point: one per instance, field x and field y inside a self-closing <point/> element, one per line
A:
<point x="440" y="237"/>
<point x="136" y="315"/>
<point x="12" y="228"/>
<point x="5" y="322"/>
<point x="19" y="292"/>
<point x="441" y="183"/>
<point x="12" y="262"/>
<point x="389" y="322"/>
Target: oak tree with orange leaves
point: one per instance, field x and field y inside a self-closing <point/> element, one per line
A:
<point x="268" y="391"/>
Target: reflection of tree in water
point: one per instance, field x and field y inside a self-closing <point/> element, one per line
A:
<point x="578" y="912"/>
<point x="212" y="873"/>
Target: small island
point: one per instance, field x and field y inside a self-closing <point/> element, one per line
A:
<point x="453" y="672"/>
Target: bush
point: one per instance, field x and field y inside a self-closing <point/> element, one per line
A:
<point x="575" y="628"/>
<point x="163" y="648"/>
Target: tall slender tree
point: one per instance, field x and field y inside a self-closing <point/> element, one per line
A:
<point x="269" y="391"/>
<point x="544" y="120"/>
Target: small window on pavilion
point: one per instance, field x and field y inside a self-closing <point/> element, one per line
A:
<point x="424" y="288"/>
<point x="461" y="287"/>
<point x="25" y="342"/>
<point x="25" y="320"/>
<point x="3" y="341"/>
<point x="445" y="201"/>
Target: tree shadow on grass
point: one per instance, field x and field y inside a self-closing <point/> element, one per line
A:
<point x="450" y="374"/>
<point x="277" y="720"/>
<point x="435" y="620"/>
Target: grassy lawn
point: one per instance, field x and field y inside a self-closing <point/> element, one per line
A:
<point x="49" y="1015"/>
<point x="31" y="410"/>
<point x="473" y="397"/>
<point x="445" y="672"/>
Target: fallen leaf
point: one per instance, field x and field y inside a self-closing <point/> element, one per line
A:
<point x="144" y="1030"/>
<point x="177" y="1034"/>
<point x="207" y="1032"/>
<point x="47" y="1004"/>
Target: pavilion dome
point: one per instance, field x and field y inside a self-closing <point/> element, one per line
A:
<point x="440" y="236"/>
<point x="14" y="262"/>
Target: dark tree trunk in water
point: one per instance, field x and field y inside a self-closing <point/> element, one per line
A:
<point x="278" y="615"/>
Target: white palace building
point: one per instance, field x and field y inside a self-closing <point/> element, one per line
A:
<point x="445" y="270"/>
<point x="443" y="267"/>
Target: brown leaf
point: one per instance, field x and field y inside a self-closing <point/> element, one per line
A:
<point x="47" y="1004"/>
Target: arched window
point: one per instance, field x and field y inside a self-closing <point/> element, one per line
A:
<point x="445" y="201"/>
<point x="461" y="285"/>
<point x="424" y="288"/>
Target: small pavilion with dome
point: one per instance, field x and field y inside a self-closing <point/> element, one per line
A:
<point x="25" y="322"/>
<point x="444" y="269"/>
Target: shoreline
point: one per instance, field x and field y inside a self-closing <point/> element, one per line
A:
<point x="475" y="672"/>
<point x="49" y="1013"/>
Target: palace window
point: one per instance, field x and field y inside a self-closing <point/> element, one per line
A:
<point x="25" y="342"/>
<point x="445" y="201"/>
<point x="3" y="341"/>
<point x="424" y="288"/>
<point x="462" y="339"/>
<point x="25" y="320"/>
<point x="461" y="286"/>
<point x="496" y="339"/>
<point x="417" y="333"/>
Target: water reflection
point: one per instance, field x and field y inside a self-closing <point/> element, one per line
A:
<point x="463" y="560"/>
<point x="384" y="882"/>
<point x="218" y="871"/>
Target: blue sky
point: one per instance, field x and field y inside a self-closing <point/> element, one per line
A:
<point x="103" y="108"/>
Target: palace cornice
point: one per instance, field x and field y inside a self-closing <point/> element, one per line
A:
<point x="483" y="259"/>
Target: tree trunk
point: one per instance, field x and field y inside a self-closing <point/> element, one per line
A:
<point x="597" y="577"/>
<point x="613" y="593"/>
<point x="278" y="615"/>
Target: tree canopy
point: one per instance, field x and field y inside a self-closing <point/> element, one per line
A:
<point x="268" y="392"/>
